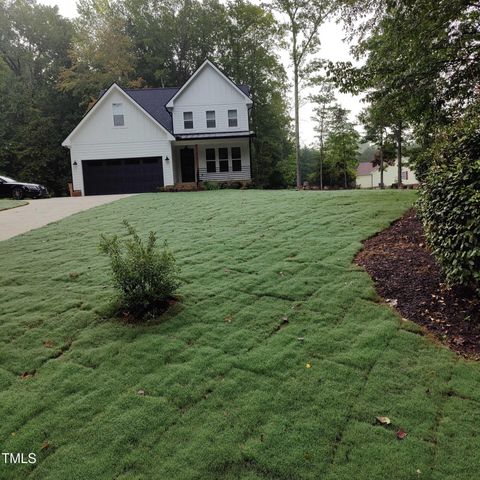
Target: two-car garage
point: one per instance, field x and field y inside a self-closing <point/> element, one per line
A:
<point x="112" y="153"/>
<point x="126" y="175"/>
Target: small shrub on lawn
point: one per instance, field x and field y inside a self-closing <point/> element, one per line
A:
<point x="450" y="202"/>
<point x="211" y="185"/>
<point x="144" y="276"/>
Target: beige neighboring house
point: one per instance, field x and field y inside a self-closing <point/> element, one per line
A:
<point x="368" y="175"/>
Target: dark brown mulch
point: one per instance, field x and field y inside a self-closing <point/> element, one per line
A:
<point x="407" y="276"/>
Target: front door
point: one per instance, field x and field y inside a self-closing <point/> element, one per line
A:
<point x="187" y="162"/>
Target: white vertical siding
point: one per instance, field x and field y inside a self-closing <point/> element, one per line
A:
<point x="99" y="139"/>
<point x="200" y="118"/>
<point x="210" y="91"/>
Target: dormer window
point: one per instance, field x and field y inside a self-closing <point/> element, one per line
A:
<point x="211" y="123"/>
<point x="118" y="117"/>
<point x="232" y="118"/>
<point x="187" y="120"/>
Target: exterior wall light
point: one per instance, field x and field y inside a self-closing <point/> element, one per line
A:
<point x="75" y="163"/>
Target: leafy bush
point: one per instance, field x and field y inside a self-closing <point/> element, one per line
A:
<point x="211" y="185"/>
<point x="144" y="276"/>
<point x="450" y="202"/>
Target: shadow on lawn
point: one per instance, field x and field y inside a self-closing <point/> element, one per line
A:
<point x="155" y="314"/>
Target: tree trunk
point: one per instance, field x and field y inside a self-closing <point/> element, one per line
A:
<point x="297" y="105"/>
<point x="297" y="126"/>
<point x="320" y="173"/>
<point x="321" y="167"/>
<point x="399" y="152"/>
<point x="382" y="186"/>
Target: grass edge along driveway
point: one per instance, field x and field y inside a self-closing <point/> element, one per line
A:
<point x="274" y="365"/>
<point x="6" y="204"/>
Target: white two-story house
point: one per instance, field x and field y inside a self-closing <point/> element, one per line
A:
<point x="139" y="140"/>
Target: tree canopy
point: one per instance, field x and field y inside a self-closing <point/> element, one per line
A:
<point x="52" y="69"/>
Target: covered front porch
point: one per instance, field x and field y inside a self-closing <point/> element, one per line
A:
<point x="214" y="160"/>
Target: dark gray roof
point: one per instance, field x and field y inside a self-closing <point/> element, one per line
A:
<point x="154" y="101"/>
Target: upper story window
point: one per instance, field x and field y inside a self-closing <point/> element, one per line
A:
<point x="232" y="118"/>
<point x="118" y="117"/>
<point x="211" y="123"/>
<point x="187" y="120"/>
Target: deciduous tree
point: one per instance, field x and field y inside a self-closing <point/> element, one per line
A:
<point x="325" y="103"/>
<point x="302" y="19"/>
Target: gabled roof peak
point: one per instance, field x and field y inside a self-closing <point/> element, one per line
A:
<point x="131" y="98"/>
<point x="205" y="64"/>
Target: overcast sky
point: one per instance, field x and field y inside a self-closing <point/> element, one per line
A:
<point x="333" y="48"/>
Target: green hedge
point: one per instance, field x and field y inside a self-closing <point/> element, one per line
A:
<point x="450" y="202"/>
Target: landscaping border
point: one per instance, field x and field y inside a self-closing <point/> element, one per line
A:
<point x="408" y="278"/>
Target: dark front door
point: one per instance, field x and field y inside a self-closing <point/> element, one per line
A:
<point x="187" y="162"/>
<point x="126" y="175"/>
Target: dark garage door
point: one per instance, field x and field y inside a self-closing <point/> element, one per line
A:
<point x="126" y="175"/>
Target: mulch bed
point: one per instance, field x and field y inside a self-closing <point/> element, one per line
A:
<point x="407" y="276"/>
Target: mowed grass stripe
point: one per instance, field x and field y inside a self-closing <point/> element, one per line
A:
<point x="269" y="286"/>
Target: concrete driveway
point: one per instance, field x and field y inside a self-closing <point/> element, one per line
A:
<point x="43" y="211"/>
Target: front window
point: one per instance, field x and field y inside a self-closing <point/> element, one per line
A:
<point x="223" y="156"/>
<point x="223" y="165"/>
<point x="236" y="159"/>
<point x="211" y="123"/>
<point x="118" y="117"/>
<point x="211" y="160"/>
<point x="404" y="175"/>
<point x="232" y="118"/>
<point x="188" y="120"/>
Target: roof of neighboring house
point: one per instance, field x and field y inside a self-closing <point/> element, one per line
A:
<point x="366" y="168"/>
<point x="154" y="101"/>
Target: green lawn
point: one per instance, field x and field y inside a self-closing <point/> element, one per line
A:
<point x="269" y="287"/>
<point x="6" y="204"/>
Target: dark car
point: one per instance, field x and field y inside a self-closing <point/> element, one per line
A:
<point x="18" y="190"/>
